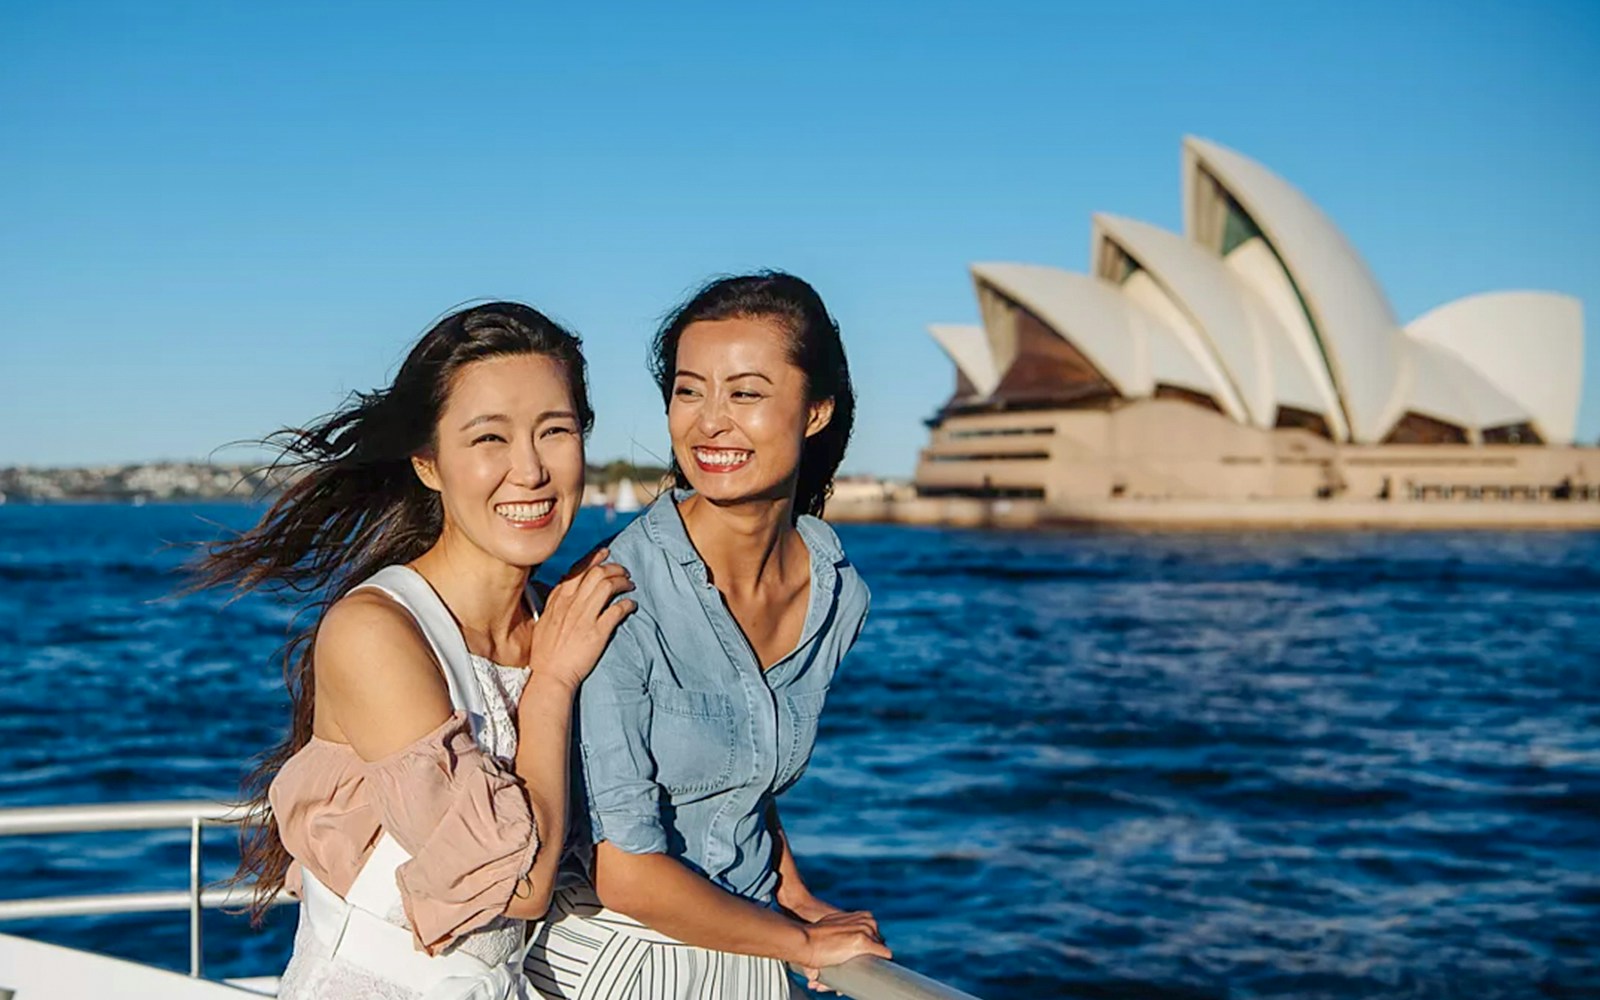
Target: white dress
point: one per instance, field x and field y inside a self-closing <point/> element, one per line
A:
<point x="314" y="972"/>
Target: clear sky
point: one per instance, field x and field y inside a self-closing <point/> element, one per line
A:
<point x="218" y="218"/>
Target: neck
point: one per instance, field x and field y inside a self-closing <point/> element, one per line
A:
<point x="741" y="543"/>
<point x="484" y="594"/>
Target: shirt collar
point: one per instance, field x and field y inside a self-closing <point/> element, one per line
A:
<point x="665" y="526"/>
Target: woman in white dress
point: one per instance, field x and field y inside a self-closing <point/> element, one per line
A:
<point x="419" y="801"/>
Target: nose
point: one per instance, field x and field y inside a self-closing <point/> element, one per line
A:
<point x="711" y="418"/>
<point x="527" y="469"/>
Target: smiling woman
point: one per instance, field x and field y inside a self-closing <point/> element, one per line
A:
<point x="418" y="804"/>
<point x="703" y="709"/>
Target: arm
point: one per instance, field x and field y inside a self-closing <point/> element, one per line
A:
<point x="544" y="727"/>
<point x="578" y="620"/>
<point x="660" y="892"/>
<point x="793" y="895"/>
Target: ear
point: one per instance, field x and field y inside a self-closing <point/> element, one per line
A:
<point x="820" y="415"/>
<point x="427" y="471"/>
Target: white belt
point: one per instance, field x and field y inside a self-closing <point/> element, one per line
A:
<point x="373" y="944"/>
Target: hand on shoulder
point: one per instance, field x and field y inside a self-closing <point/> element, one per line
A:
<point x="579" y="618"/>
<point x="376" y="676"/>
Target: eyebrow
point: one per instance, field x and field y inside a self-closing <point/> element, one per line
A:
<point x="489" y="418"/>
<point x="486" y="418"/>
<point x="686" y="373"/>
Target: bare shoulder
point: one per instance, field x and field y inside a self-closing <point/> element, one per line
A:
<point x="366" y="634"/>
<point x="376" y="676"/>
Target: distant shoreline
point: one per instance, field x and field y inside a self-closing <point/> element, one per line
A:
<point x="191" y="482"/>
<point x="1176" y="515"/>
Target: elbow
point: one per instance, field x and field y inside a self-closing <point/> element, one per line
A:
<point x="618" y="883"/>
<point x="616" y="894"/>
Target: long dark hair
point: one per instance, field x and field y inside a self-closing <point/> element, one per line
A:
<point x="355" y="505"/>
<point x="814" y="347"/>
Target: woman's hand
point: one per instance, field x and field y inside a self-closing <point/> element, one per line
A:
<point x="578" y="620"/>
<point x="807" y="907"/>
<point x="810" y="909"/>
<point x="839" y="937"/>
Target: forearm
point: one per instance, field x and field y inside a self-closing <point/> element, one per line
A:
<point x="661" y="893"/>
<point x="544" y="730"/>
<point x="793" y="894"/>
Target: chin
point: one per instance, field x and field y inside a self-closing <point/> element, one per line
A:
<point x="528" y="550"/>
<point x="734" y="489"/>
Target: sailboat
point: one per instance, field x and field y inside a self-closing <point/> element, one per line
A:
<point x="627" y="501"/>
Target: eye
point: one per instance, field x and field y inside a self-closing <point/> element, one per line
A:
<point x="557" y="429"/>
<point x="746" y="394"/>
<point x="488" y="437"/>
<point x="685" y="392"/>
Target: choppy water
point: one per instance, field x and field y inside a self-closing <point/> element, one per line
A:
<point x="1056" y="765"/>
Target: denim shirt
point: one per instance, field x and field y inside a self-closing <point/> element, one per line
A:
<point x="684" y="738"/>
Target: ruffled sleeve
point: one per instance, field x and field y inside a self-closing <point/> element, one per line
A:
<point x="466" y="823"/>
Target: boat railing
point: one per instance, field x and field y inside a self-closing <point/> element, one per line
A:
<point x="194" y="816"/>
<point x="864" y="978"/>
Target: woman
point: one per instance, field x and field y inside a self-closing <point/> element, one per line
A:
<point x="419" y="801"/>
<point x="704" y="707"/>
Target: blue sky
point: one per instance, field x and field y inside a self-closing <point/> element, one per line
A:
<point x="218" y="218"/>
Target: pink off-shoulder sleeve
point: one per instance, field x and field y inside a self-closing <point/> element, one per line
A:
<point x="465" y="822"/>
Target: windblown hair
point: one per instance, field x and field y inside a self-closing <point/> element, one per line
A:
<point x="355" y="505"/>
<point x="815" y="347"/>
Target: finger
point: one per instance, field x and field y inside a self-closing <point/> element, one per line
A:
<point x="561" y="594"/>
<point x="599" y="577"/>
<point x="872" y="946"/>
<point x="599" y="591"/>
<point x="611" y="617"/>
<point x="593" y="557"/>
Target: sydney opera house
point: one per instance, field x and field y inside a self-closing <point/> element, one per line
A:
<point x="1252" y="357"/>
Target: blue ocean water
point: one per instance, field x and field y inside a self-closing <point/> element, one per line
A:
<point x="1056" y="765"/>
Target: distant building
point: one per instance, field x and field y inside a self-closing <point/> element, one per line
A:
<point x="1253" y="357"/>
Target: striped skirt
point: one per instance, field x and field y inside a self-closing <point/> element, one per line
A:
<point x="583" y="951"/>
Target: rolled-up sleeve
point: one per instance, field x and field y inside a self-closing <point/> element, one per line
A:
<point x="614" y="739"/>
<point x="466" y="823"/>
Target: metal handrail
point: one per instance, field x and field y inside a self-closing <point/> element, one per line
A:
<point x="132" y="816"/>
<point x="864" y="978"/>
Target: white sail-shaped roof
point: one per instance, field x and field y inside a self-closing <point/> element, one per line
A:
<point x="1147" y="292"/>
<point x="968" y="347"/>
<point x="1130" y="346"/>
<point x="1441" y="385"/>
<point x="1254" y="349"/>
<point x="1349" y="313"/>
<point x="1529" y="344"/>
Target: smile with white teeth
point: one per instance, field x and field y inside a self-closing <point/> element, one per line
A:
<point x="525" y="511"/>
<point x="721" y="456"/>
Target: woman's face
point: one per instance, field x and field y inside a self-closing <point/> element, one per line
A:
<point x="508" y="459"/>
<point x="738" y="414"/>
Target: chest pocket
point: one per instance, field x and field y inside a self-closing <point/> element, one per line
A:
<point x="692" y="740"/>
<point x="798" y="734"/>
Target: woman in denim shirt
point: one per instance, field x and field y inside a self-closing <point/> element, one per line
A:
<point x="704" y="707"/>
